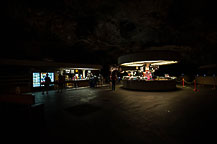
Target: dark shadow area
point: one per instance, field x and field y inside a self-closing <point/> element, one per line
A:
<point x="83" y="109"/>
<point x="20" y="123"/>
<point x="197" y="121"/>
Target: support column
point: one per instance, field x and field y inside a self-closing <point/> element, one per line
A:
<point x="83" y="73"/>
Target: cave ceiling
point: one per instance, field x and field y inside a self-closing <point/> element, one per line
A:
<point x="99" y="31"/>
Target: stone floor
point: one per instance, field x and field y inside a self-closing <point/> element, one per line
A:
<point x="99" y="115"/>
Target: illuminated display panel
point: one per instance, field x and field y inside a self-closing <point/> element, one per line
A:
<point x="50" y="74"/>
<point x="68" y="71"/>
<point x="36" y="79"/>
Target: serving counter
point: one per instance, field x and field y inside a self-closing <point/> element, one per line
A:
<point x="150" y="85"/>
<point x="77" y="83"/>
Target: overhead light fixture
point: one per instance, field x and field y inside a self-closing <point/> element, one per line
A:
<point x="165" y="63"/>
<point x="153" y="62"/>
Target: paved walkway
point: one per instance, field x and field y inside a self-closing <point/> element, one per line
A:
<point x="99" y="115"/>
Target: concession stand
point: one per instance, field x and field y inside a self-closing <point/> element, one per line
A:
<point x="141" y="68"/>
<point x="30" y="75"/>
<point x="79" y="76"/>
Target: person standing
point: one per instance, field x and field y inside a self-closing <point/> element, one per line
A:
<point x="113" y="79"/>
<point x="46" y="84"/>
<point x="60" y="83"/>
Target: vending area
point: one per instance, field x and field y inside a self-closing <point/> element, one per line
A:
<point x="30" y="75"/>
<point x="73" y="77"/>
<point x="38" y="78"/>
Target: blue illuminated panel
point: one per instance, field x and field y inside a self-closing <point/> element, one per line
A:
<point x="36" y="79"/>
<point x="50" y="74"/>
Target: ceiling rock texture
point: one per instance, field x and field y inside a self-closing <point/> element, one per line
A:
<point x="99" y="31"/>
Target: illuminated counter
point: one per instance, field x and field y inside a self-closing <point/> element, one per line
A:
<point x="140" y="69"/>
<point x="79" y="77"/>
<point x="151" y="85"/>
<point x="78" y="83"/>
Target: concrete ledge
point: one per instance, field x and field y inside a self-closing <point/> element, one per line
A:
<point x="18" y="99"/>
